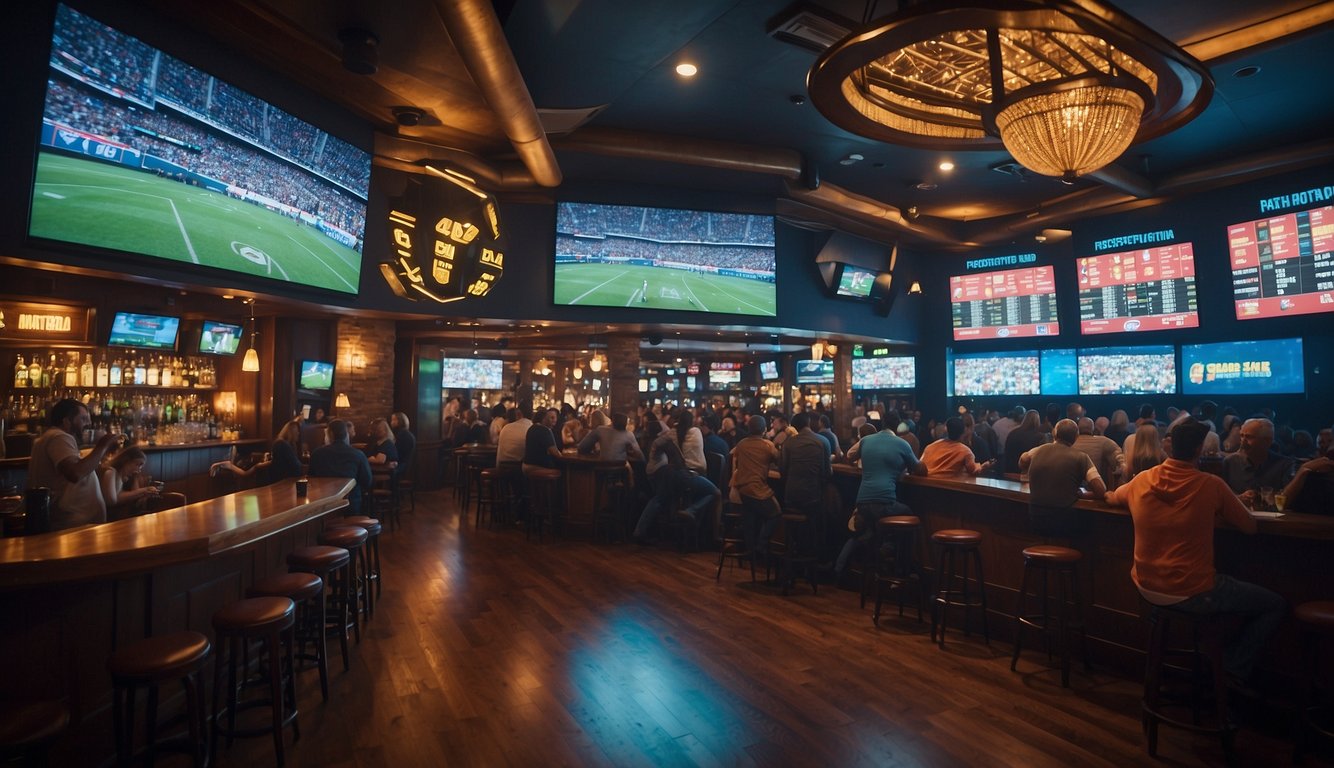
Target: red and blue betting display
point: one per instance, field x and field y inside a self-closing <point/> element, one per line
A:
<point x="1149" y="289"/>
<point x="1283" y="265"/>
<point x="1004" y="304"/>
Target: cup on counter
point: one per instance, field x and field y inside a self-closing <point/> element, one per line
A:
<point x="159" y="485"/>
<point x="302" y="486"/>
<point x="1280" y="500"/>
<point x="1267" y="497"/>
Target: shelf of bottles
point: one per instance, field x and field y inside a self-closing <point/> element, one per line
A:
<point x="152" y="398"/>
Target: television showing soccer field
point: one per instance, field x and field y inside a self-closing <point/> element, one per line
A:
<point x="899" y="372"/>
<point x="315" y="375"/>
<point x="131" y="329"/>
<point x="1149" y="370"/>
<point x="993" y="373"/>
<point x="855" y="282"/>
<point x="217" y="338"/>
<point x="658" y="258"/>
<point x="144" y="154"/>
<point x="1268" y="367"/>
<point x="472" y="373"/>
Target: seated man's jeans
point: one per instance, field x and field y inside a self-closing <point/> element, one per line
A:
<point x="761" y="518"/>
<point x="1263" y="611"/>
<point x="868" y="512"/>
<point x="701" y="493"/>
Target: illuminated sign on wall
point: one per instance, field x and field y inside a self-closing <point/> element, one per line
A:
<point x="29" y="321"/>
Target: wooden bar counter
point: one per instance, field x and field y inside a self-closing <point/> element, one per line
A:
<point x="69" y="598"/>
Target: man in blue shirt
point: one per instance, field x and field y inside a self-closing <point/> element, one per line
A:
<point x="885" y="457"/>
<point x="340" y="459"/>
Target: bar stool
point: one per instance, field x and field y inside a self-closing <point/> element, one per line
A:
<point x="958" y="543"/>
<point x="373" y="531"/>
<point x="733" y="543"/>
<point x="358" y="594"/>
<point x="150" y="663"/>
<point x="29" y="728"/>
<point x="1316" y="620"/>
<point x="609" y="484"/>
<point x="307" y="591"/>
<point x="332" y="565"/>
<point x="1062" y="563"/>
<point x="544" y="493"/>
<point x="900" y="567"/>
<point x="1206" y="632"/>
<point x="797" y="549"/>
<point x="487" y="480"/>
<point x="508" y="494"/>
<point x="270" y="621"/>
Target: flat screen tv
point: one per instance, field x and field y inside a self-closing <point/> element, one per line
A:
<point x="1150" y="289"/>
<point x="1004" y="304"/>
<point x="1060" y="372"/>
<point x="769" y="370"/>
<point x="131" y="329"/>
<point x="815" y="371"/>
<point x="315" y="376"/>
<point x="1148" y="370"/>
<point x="472" y="373"/>
<point x="855" y="282"/>
<point x="1268" y="367"/>
<point x="142" y="153"/>
<point x="217" y="338"/>
<point x="1283" y="265"/>
<point x="724" y="378"/>
<point x="664" y="259"/>
<point x="898" y="372"/>
<point x="994" y="373"/>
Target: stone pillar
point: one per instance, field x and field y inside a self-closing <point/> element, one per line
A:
<point x="364" y="370"/>
<point x="843" y="408"/>
<point x="622" y="370"/>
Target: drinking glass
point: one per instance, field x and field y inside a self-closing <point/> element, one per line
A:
<point x="1280" y="499"/>
<point x="1267" y="496"/>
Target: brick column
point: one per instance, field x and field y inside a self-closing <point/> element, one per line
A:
<point x="365" y="370"/>
<point x="623" y="371"/>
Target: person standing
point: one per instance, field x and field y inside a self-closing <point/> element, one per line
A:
<point x="338" y="458"/>
<point x="76" y="493"/>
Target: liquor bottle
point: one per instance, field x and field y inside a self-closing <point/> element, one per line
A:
<point x="168" y="379"/>
<point x="140" y="371"/>
<point x="87" y="375"/>
<point x="72" y="369"/>
<point x="20" y="374"/>
<point x="117" y="369"/>
<point x="154" y="372"/>
<point x="103" y="372"/>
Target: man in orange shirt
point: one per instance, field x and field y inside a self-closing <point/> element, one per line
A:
<point x="1174" y="507"/>
<point x="950" y="456"/>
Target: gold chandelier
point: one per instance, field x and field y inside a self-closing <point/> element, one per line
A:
<point x="1065" y="85"/>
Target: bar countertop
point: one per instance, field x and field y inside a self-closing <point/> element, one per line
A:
<point x="140" y="544"/>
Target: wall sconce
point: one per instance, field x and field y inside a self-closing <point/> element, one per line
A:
<point x="341" y="401"/>
<point x="595" y="365"/>
<point x="578" y="372"/>
<point x="817" y="351"/>
<point x="226" y="404"/>
<point x="915" y="289"/>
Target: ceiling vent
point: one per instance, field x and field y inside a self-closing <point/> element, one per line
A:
<point x="1011" y="168"/>
<point x="557" y="122"/>
<point x="810" y="27"/>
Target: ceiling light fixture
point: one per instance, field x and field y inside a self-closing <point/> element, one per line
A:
<point x="946" y="165"/>
<point x="686" y="69"/>
<point x="250" y="364"/>
<point x="1065" y="86"/>
<point x="915" y="289"/>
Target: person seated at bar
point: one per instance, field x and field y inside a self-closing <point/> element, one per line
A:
<point x="689" y="477"/>
<point x="825" y="429"/>
<point x="950" y="456"/>
<point x="511" y="442"/>
<point x="1059" y="475"/>
<point x="539" y="447"/>
<point x="805" y="465"/>
<point x="1255" y="466"/>
<point x="382" y="449"/>
<point x="124" y="487"/>
<point x="713" y="443"/>
<point x="283" y="460"/>
<point x="404" y="441"/>
<point x="1311" y="490"/>
<point x="572" y="428"/>
<point x="1144" y="450"/>
<point x="612" y="442"/>
<point x="339" y="459"/>
<point x="761" y="513"/>
<point x="1174" y="507"/>
<point x="885" y="457"/>
<point x="1028" y="435"/>
<point x="477" y="432"/>
<point x="1104" y="452"/>
<point x="76" y="493"/>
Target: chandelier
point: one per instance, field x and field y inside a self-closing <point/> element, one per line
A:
<point x="1066" y="86"/>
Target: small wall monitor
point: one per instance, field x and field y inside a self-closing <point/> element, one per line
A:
<point x="769" y="370"/>
<point x="217" y="338"/>
<point x="472" y="373"/>
<point x="815" y="371"/>
<point x="315" y="376"/>
<point x="856" y="282"/>
<point x="899" y="372"/>
<point x="131" y="329"/>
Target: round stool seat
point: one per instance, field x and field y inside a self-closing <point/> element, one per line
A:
<point x="255" y="614"/>
<point x="372" y="526"/>
<point x="1318" y="615"/>
<point x="490" y="473"/>
<point x="957" y="537"/>
<point x="318" y="558"/>
<point x="159" y="658"/>
<point x="542" y="473"/>
<point x="298" y="586"/>
<point x="1046" y="554"/>
<point x="899" y="522"/>
<point x="347" y="537"/>
<point x="24" y="725"/>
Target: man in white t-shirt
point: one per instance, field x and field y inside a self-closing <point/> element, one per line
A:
<point x="510" y="444"/>
<point x="76" y="495"/>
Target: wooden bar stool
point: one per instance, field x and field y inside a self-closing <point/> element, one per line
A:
<point x="358" y="593"/>
<point x="956" y="543"/>
<point x="797" y="550"/>
<point x="1316" y="620"/>
<point x="269" y="621"/>
<point x="899" y="567"/>
<point x="544" y="493"/>
<point x="1206" y="632"/>
<point x="1062" y="564"/>
<point x="609" y="486"/>
<point x="373" y="531"/>
<point x="487" y="480"/>
<point x="150" y="663"/>
<point x="29" y="728"/>
<point x="733" y="539"/>
<point x="307" y="591"/>
<point x="332" y="565"/>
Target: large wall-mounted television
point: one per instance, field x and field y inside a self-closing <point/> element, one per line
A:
<point x="1006" y="303"/>
<point x="993" y="373"/>
<point x="1144" y="370"/>
<point x="1150" y="289"/>
<point x="1283" y="265"/>
<point x="218" y="338"/>
<point x="898" y="372"/>
<point x="664" y="259"/>
<point x="472" y="373"/>
<point x="1268" y="367"/>
<point x="144" y="154"/>
<point x="315" y="376"/>
<point x="1060" y="372"/>
<point x="815" y="371"/>
<point x="131" y="329"/>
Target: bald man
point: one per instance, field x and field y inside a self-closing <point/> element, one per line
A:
<point x="1059" y="475"/>
<point x="1255" y="466"/>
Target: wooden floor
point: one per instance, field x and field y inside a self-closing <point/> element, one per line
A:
<point x="488" y="650"/>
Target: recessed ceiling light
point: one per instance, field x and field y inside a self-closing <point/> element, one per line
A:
<point x="851" y="159"/>
<point x="925" y="186"/>
<point x="1245" y="72"/>
<point x="946" y="165"/>
<point x="686" y="69"/>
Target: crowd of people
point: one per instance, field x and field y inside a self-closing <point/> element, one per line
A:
<point x="611" y="247"/>
<point x="665" y="224"/>
<point x="1127" y="374"/>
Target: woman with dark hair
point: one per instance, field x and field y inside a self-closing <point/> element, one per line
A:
<point x="1028" y="435"/>
<point x="124" y="486"/>
<point x="284" y="459"/>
